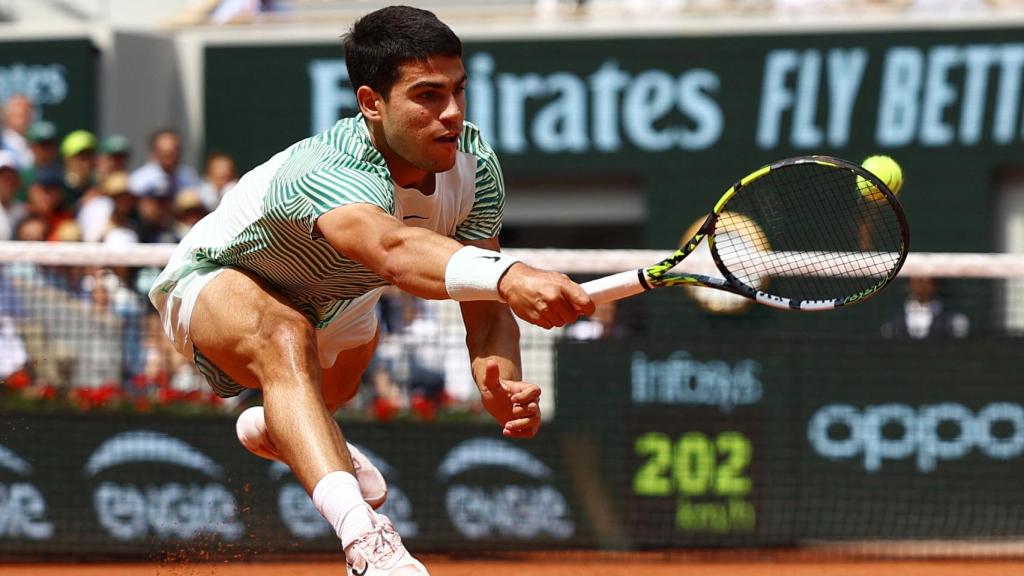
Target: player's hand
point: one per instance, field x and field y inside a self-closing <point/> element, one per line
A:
<point x="546" y="299"/>
<point x="515" y="405"/>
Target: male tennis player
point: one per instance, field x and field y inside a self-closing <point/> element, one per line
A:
<point x="276" y="288"/>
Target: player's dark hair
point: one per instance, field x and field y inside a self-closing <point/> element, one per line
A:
<point x="381" y="41"/>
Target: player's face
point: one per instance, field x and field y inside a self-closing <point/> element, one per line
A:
<point x="422" y="118"/>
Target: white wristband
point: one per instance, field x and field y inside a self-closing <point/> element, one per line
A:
<point x="473" y="273"/>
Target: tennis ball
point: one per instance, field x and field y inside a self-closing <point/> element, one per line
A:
<point x="887" y="170"/>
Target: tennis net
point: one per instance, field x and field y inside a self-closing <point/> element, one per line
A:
<point x="679" y="419"/>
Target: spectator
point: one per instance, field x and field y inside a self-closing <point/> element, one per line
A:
<point x="924" y="314"/>
<point x="188" y="209"/>
<point x="19" y="112"/>
<point x="164" y="169"/>
<point x="155" y="208"/>
<point x="79" y="152"/>
<point x="115" y="155"/>
<point x="219" y="176"/>
<point x="11" y="211"/>
<point x="122" y="227"/>
<point x="46" y="202"/>
<point x="42" y="140"/>
<point x="32" y="229"/>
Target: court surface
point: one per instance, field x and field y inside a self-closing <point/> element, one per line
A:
<point x="446" y="566"/>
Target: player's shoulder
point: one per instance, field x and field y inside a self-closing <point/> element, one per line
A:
<point x="472" y="142"/>
<point x="344" y="148"/>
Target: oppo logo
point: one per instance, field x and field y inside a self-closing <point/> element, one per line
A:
<point x="928" y="434"/>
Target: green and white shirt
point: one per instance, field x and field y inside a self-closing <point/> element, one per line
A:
<point x="266" y="224"/>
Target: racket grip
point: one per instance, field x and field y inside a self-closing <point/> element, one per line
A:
<point x="614" y="287"/>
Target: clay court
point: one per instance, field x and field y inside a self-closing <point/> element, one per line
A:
<point x="596" y="564"/>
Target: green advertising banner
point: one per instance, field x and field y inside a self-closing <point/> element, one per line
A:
<point x="686" y="116"/>
<point x="59" y="76"/>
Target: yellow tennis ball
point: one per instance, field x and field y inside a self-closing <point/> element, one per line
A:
<point x="887" y="170"/>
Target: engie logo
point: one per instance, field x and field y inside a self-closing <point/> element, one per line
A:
<point x="22" y="507"/>
<point x="133" y="510"/>
<point x="303" y="521"/>
<point x="928" y="433"/>
<point x="479" y="508"/>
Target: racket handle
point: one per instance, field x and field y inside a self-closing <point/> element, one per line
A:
<point x="614" y="287"/>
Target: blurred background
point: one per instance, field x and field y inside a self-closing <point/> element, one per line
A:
<point x="677" y="420"/>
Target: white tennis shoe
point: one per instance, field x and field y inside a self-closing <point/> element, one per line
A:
<point x="251" y="428"/>
<point x="379" y="552"/>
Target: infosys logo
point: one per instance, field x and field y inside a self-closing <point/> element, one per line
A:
<point x="927" y="434"/>
<point x="22" y="506"/>
<point x="529" y="509"/>
<point x="182" y="510"/>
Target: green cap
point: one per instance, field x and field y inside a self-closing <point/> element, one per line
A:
<point x="42" y="131"/>
<point x="77" y="142"/>
<point x="115" y="144"/>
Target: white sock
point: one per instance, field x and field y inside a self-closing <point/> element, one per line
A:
<point x="338" y="499"/>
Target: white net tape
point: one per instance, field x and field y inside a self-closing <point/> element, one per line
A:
<point x="570" y="261"/>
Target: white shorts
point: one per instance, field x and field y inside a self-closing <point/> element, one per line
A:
<point x="351" y="328"/>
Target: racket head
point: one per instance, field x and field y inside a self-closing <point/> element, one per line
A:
<point x="807" y="233"/>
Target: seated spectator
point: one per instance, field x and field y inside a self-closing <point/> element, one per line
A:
<point x="220" y="176"/>
<point x="32" y="229"/>
<point x="123" y="225"/>
<point x="19" y="113"/>
<point x="46" y="202"/>
<point x="925" y="314"/>
<point x="79" y="152"/>
<point x="164" y="169"/>
<point x="43" y="141"/>
<point x="11" y="211"/>
<point x="188" y="209"/>
<point x="155" y="208"/>
<point x="115" y="155"/>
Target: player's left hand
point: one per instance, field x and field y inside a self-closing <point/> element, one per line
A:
<point x="513" y="404"/>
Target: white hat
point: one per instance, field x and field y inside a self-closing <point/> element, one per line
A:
<point x="8" y="160"/>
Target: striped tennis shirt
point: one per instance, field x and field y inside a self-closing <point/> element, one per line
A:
<point x="266" y="224"/>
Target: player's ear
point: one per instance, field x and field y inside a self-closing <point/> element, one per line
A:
<point x="369" y="102"/>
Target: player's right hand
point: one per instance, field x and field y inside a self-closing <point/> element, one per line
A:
<point x="543" y="298"/>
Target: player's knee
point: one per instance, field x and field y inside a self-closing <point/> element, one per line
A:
<point x="284" y="342"/>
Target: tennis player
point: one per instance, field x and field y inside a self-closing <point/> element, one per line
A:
<point x="276" y="288"/>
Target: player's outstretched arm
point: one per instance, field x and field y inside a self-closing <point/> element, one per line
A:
<point x="429" y="265"/>
<point x="492" y="337"/>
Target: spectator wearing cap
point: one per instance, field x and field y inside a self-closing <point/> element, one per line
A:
<point x="11" y="211"/>
<point x="79" y="152"/>
<point x="19" y="113"/>
<point x="219" y="176"/>
<point x="164" y="168"/>
<point x="122" y="228"/>
<point x="115" y="155"/>
<point x="43" y="141"/>
<point x="188" y="209"/>
<point x="155" y="206"/>
<point x="46" y="202"/>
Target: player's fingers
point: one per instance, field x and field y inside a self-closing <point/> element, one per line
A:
<point x="561" y="313"/>
<point x="521" y="428"/>
<point x="492" y="376"/>
<point x="580" y="299"/>
<point x="525" y="410"/>
<point x="530" y="393"/>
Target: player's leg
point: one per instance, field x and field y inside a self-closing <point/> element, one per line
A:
<point x="340" y="383"/>
<point x="248" y="331"/>
<point x="255" y="336"/>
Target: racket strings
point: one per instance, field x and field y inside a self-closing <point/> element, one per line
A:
<point x="811" y="232"/>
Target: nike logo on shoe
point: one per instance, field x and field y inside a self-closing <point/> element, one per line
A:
<point x="491" y="258"/>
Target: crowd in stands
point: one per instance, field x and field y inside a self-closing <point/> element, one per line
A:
<point x="87" y="336"/>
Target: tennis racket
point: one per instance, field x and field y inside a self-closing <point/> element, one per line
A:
<point x="805" y="233"/>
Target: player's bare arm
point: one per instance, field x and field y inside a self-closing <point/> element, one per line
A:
<point x="492" y="337"/>
<point x="418" y="261"/>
